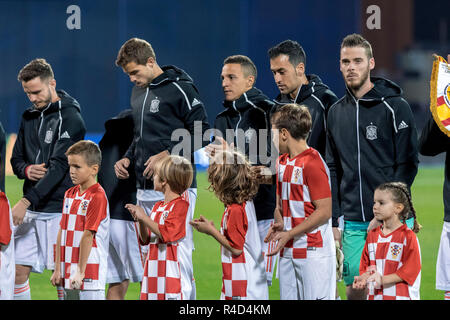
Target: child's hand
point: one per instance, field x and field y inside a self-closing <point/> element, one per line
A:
<point x="137" y="212"/>
<point x="376" y="279"/>
<point x="202" y="225"/>
<point x="281" y="238"/>
<point x="77" y="280"/>
<point x="359" y="283"/>
<point x="274" y="229"/>
<point x="56" y="278"/>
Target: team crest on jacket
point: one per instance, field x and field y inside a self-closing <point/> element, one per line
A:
<point x="48" y="136"/>
<point x="154" y="105"/>
<point x="249" y="135"/>
<point x="371" y="132"/>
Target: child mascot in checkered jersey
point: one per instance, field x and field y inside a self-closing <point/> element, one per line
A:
<point x="302" y="228"/>
<point x="7" y="261"/>
<point x="165" y="270"/>
<point x="234" y="183"/>
<point x="390" y="265"/>
<point x="83" y="237"/>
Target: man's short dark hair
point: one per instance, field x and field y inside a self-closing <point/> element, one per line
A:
<point x="135" y="50"/>
<point x="290" y="48"/>
<point x="357" y="40"/>
<point x="247" y="65"/>
<point x="36" y="68"/>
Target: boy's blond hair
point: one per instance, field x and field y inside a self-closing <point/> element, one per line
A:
<point x="231" y="178"/>
<point x="89" y="150"/>
<point x="177" y="171"/>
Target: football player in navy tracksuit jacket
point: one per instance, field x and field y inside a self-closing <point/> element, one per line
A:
<point x="169" y="117"/>
<point x="371" y="139"/>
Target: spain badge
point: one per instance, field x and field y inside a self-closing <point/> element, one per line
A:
<point x="440" y="94"/>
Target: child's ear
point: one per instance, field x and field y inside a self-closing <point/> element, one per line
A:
<point x="284" y="134"/>
<point x="399" y="207"/>
<point x="95" y="168"/>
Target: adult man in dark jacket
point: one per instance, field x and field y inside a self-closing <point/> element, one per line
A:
<point x="124" y="259"/>
<point x="288" y="65"/>
<point x="47" y="130"/>
<point x="433" y="142"/>
<point x="371" y="139"/>
<point x="245" y="122"/>
<point x="165" y="103"/>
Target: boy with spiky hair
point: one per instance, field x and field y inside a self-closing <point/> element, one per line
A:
<point x="83" y="237"/>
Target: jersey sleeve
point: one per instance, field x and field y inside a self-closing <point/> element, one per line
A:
<point x="411" y="263"/>
<point x="5" y="225"/>
<point x="236" y="227"/>
<point x="173" y="227"/>
<point x="365" y="257"/>
<point x="317" y="179"/>
<point x="96" y="212"/>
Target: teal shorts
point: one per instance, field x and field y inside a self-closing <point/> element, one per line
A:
<point x="353" y="241"/>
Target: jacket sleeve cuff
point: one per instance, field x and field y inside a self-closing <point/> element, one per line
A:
<point x="32" y="196"/>
<point x="26" y="171"/>
<point x="334" y="222"/>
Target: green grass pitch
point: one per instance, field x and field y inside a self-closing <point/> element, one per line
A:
<point x="427" y="199"/>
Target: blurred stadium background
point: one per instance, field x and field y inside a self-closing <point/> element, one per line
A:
<point x="196" y="36"/>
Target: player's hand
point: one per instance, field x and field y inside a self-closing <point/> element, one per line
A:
<point x="77" y="280"/>
<point x="203" y="225"/>
<point x="138" y="213"/>
<point x="219" y="144"/>
<point x="19" y="210"/>
<point x="35" y="172"/>
<point x="262" y="173"/>
<point x="56" y="278"/>
<point x="151" y="162"/>
<point x="337" y="235"/>
<point x="120" y="168"/>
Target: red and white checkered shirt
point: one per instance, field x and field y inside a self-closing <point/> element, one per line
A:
<point x="300" y="181"/>
<point x="7" y="262"/>
<point x="244" y="275"/>
<point x="397" y="252"/>
<point x="87" y="211"/>
<point x="162" y="274"/>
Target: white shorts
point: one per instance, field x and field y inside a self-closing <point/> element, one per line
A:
<point x="125" y="257"/>
<point x="147" y="199"/>
<point x="443" y="260"/>
<point x="269" y="261"/>
<point x="313" y="278"/>
<point x="35" y="242"/>
<point x="70" y="294"/>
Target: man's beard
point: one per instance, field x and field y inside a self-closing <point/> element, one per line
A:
<point x="357" y="86"/>
<point x="45" y="102"/>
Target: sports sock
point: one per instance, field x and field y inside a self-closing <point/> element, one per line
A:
<point x="60" y="291"/>
<point x="22" y="291"/>
<point x="447" y="295"/>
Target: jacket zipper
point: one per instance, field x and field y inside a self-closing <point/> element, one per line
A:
<point x="359" y="161"/>
<point x="142" y="126"/>
<point x="237" y="125"/>
<point x="39" y="132"/>
<point x="359" y="155"/>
